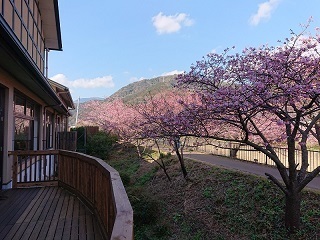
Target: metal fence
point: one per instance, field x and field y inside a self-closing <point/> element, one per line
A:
<point x="248" y="153"/>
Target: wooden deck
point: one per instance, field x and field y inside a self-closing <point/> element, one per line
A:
<point x="45" y="213"/>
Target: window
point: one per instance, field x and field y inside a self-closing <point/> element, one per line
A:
<point x="26" y="123"/>
<point x="23" y="134"/>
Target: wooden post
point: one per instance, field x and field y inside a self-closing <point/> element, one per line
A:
<point x="15" y="171"/>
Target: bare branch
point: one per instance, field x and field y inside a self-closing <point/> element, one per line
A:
<point x="308" y="178"/>
<point x="275" y="181"/>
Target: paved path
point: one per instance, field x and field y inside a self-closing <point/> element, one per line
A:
<point x="247" y="167"/>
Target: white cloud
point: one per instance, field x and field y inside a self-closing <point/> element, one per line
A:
<point x="99" y="82"/>
<point x="60" y="78"/>
<point x="264" y="11"/>
<point x="170" y="24"/>
<point x="172" y="73"/>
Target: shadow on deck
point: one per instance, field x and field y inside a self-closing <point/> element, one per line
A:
<point x="45" y="213"/>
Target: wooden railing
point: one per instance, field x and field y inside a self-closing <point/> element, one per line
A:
<point x="90" y="178"/>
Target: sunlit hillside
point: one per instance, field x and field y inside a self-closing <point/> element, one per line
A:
<point x="132" y="93"/>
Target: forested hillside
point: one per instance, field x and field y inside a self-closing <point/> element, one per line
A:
<point x="132" y="93"/>
<point x="138" y="90"/>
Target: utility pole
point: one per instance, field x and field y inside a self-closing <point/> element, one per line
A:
<point x="77" y="111"/>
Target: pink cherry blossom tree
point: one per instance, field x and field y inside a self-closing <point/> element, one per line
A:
<point x="124" y="121"/>
<point x="113" y="117"/>
<point x="161" y="122"/>
<point x="259" y="97"/>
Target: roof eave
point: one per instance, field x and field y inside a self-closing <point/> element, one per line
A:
<point x="51" y="24"/>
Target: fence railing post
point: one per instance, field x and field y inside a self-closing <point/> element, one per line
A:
<point x="15" y="171"/>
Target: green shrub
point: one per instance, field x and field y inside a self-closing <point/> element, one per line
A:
<point x="81" y="139"/>
<point x="100" y="144"/>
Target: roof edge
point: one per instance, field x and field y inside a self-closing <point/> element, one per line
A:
<point x="56" y="10"/>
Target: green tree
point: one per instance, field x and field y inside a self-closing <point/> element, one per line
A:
<point x="100" y="144"/>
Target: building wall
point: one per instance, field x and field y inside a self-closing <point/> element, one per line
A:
<point x="23" y="62"/>
<point x="11" y="86"/>
<point x="23" y="17"/>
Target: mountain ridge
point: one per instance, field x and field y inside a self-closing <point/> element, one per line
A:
<point x="136" y="91"/>
<point x="132" y="93"/>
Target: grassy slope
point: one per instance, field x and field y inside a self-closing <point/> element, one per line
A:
<point x="213" y="204"/>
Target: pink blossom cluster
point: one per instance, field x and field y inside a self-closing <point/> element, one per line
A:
<point x="266" y="94"/>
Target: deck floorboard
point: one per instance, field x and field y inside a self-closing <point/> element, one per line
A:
<point x="45" y="213"/>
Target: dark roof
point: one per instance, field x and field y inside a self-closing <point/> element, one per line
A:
<point x="64" y="94"/>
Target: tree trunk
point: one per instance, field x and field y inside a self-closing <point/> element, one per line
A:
<point x="292" y="211"/>
<point x="180" y="157"/>
<point x="139" y="152"/>
<point x="163" y="166"/>
<point x="183" y="167"/>
<point x="317" y="127"/>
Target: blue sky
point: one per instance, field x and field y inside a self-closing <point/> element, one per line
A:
<point x="109" y="44"/>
